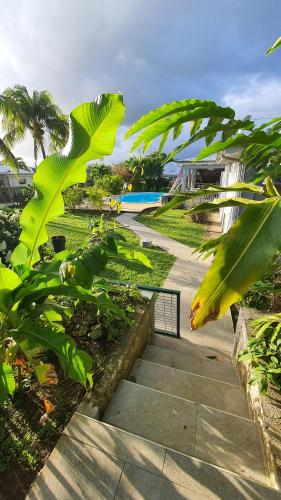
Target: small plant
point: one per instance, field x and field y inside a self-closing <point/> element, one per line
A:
<point x="263" y="350"/>
<point x="73" y="197"/>
<point x="96" y="196"/>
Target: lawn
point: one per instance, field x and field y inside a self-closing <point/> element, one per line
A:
<point x="175" y="225"/>
<point x="76" y="229"/>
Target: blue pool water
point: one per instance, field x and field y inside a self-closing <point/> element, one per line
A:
<point x="140" y="197"/>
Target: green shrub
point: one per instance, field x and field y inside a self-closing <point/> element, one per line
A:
<point x="263" y="350"/>
<point x="73" y="196"/>
<point x="9" y="231"/>
<point x="96" y="195"/>
<point x="112" y="184"/>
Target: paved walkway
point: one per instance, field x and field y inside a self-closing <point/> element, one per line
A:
<point x="186" y="275"/>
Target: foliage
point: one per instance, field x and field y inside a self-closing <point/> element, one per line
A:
<point x="147" y="172"/>
<point x="31" y="319"/>
<point x="122" y="170"/>
<point x="36" y="113"/>
<point x="175" y="225"/>
<point x="111" y="184"/>
<point x="253" y="243"/>
<point x="76" y="227"/>
<point x="275" y="46"/>
<point x="24" y="195"/>
<point x="97" y="171"/>
<point x="96" y="196"/>
<point x="73" y="196"/>
<point x="264" y="352"/>
<point x="10" y="231"/>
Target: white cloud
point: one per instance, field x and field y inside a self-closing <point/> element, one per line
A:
<point x="257" y="96"/>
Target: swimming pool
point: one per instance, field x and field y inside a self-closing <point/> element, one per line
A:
<point x="140" y="197"/>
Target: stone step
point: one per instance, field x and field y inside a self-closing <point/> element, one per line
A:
<point x="210" y="435"/>
<point x="195" y="388"/>
<point x="185" y="346"/>
<point x="95" y="460"/>
<point x="191" y="364"/>
<point x="155" y="472"/>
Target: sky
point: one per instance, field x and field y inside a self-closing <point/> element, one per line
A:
<point x="152" y="51"/>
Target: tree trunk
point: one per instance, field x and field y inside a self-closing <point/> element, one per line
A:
<point x="42" y="148"/>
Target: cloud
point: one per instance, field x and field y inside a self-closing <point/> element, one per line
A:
<point x="153" y="51"/>
<point x="257" y="96"/>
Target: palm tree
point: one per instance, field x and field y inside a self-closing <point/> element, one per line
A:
<point x="36" y="113"/>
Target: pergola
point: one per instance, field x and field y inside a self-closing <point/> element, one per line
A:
<point x="190" y="168"/>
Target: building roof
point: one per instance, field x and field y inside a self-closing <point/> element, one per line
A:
<point x="4" y="169"/>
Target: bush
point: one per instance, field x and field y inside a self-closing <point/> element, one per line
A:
<point x="73" y="196"/>
<point x="22" y="197"/>
<point x="96" y="196"/>
<point x="123" y="171"/>
<point x="9" y="231"/>
<point x="112" y="184"/>
<point x="97" y="171"/>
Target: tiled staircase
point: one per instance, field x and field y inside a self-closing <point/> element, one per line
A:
<point x="177" y="428"/>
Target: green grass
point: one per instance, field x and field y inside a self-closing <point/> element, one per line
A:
<point x="75" y="229"/>
<point x="175" y="225"/>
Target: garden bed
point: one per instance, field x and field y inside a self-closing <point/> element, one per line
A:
<point x="24" y="442"/>
<point x="265" y="410"/>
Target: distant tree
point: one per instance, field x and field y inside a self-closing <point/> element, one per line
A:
<point x="36" y="113"/>
<point x="147" y="171"/>
<point x="24" y="195"/>
<point x="97" y="171"/>
<point x="112" y="184"/>
<point x="123" y="171"/>
<point x="73" y="196"/>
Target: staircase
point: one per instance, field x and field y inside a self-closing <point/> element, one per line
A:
<point x="177" y="428"/>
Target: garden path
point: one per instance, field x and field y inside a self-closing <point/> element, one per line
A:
<point x="185" y="276"/>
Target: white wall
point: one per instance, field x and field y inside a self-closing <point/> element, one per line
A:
<point x="234" y="172"/>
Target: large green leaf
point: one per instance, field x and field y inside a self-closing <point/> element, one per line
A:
<point x="164" y="125"/>
<point x="93" y="128"/>
<point x="246" y="187"/>
<point x="164" y="111"/>
<point x="9" y="281"/>
<point x="257" y="137"/>
<point x="7" y="382"/>
<point x="242" y="258"/>
<point x="76" y="364"/>
<point x="221" y="203"/>
<point x="275" y="46"/>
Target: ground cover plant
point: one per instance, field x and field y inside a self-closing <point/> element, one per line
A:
<point x="174" y="224"/>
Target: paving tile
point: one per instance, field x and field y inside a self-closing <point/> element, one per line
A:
<point x="75" y="470"/>
<point x="153" y="415"/>
<point x="191" y="364"/>
<point x="118" y="443"/>
<point x="230" y="442"/>
<point x="185" y="346"/>
<point x="137" y="484"/>
<point x="212" y="482"/>
<point x="213" y="393"/>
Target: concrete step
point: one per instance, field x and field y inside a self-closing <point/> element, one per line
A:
<point x="207" y="434"/>
<point x="192" y="364"/>
<point x="210" y="435"/>
<point x="153" y="472"/>
<point x="214" y="226"/>
<point x="209" y="235"/>
<point x="185" y="346"/>
<point x="209" y="392"/>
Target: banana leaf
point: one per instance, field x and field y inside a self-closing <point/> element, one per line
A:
<point x="242" y="258"/>
<point x="93" y="128"/>
<point x="7" y="382"/>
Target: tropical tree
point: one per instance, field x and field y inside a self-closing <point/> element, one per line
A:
<point x="147" y="171"/>
<point x="246" y="252"/>
<point x="36" y="113"/>
<point x="97" y="171"/>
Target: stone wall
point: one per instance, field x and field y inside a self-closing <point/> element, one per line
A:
<point x="130" y="347"/>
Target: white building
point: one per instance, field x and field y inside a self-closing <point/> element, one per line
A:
<point x="223" y="170"/>
<point x="11" y="183"/>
